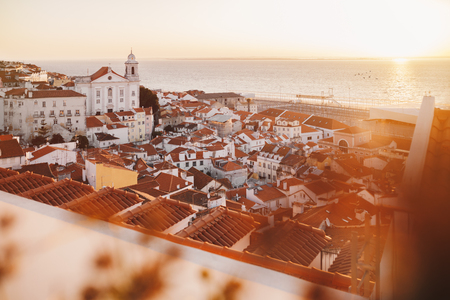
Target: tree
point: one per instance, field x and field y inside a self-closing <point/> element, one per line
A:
<point x="56" y="139"/>
<point x="38" y="140"/>
<point x="148" y="99"/>
<point x="169" y="128"/>
<point x="44" y="130"/>
<point x="82" y="141"/>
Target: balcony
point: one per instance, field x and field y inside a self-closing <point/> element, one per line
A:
<point x="68" y="114"/>
<point x="41" y="116"/>
<point x="35" y="115"/>
<point x="61" y="114"/>
<point x="51" y="115"/>
<point x="77" y="114"/>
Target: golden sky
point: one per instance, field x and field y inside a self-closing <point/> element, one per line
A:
<point x="83" y="29"/>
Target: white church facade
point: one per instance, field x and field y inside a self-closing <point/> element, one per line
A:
<point x="107" y="91"/>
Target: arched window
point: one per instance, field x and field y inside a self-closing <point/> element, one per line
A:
<point x="132" y="70"/>
<point x="343" y="146"/>
<point x="110" y="92"/>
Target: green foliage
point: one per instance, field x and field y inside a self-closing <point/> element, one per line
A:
<point x="38" y="140"/>
<point x="56" y="139"/>
<point x="148" y="99"/>
<point x="82" y="141"/>
<point x="168" y="128"/>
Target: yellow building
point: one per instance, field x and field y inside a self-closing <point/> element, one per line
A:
<point x="101" y="174"/>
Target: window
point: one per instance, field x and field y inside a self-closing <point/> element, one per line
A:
<point x="274" y="168"/>
<point x="35" y="102"/>
<point x="194" y="163"/>
<point x="109" y="100"/>
<point x="54" y="103"/>
<point x="98" y="94"/>
<point x="178" y="165"/>
<point x="52" y="113"/>
<point x="201" y="163"/>
<point x="309" y="138"/>
<point x="187" y="164"/>
<point x="77" y="112"/>
<point x="121" y="99"/>
<point x="6" y="102"/>
<point x="133" y="93"/>
<point x="264" y="165"/>
<point x="69" y="121"/>
<point x="97" y="101"/>
<point x="121" y="93"/>
<point x="133" y="103"/>
<point x="55" y="121"/>
<point x="42" y="113"/>
<point x="110" y="92"/>
<point x="64" y="103"/>
<point x="11" y="104"/>
<point x="43" y="104"/>
<point x="42" y="122"/>
<point x="69" y="112"/>
<point x="35" y="121"/>
<point x="61" y="113"/>
<point x="268" y="176"/>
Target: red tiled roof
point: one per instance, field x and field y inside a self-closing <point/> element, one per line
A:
<point x="55" y="93"/>
<point x="44" y="151"/>
<point x="5" y="173"/>
<point x="41" y="169"/>
<point x="102" y="71"/>
<point x="268" y="193"/>
<point x="93" y="122"/>
<point x="58" y="193"/>
<point x="200" y="178"/>
<point x="102" y="204"/>
<point x="21" y="183"/>
<point x="170" y="183"/>
<point x="149" y="148"/>
<point x="320" y="187"/>
<point x="159" y="214"/>
<point x="10" y="148"/>
<point x="220" y="227"/>
<point x="290" y="241"/>
<point x="6" y="137"/>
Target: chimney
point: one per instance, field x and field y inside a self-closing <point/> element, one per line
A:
<point x="284" y="185"/>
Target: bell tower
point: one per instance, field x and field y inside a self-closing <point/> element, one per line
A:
<point x="131" y="68"/>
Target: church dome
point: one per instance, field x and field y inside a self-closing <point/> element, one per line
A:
<point x="131" y="58"/>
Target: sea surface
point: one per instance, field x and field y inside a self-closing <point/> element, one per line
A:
<point x="392" y="80"/>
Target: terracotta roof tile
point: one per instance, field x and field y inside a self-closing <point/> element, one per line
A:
<point x="58" y="193"/>
<point x="220" y="227"/>
<point x="10" y="148"/>
<point x="4" y="173"/>
<point x="21" y="183"/>
<point x="159" y="214"/>
<point x="103" y="203"/>
<point x="55" y="93"/>
<point x="290" y="241"/>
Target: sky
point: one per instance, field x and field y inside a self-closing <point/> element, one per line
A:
<point x="155" y="29"/>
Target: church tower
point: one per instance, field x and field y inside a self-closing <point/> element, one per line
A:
<point x="131" y="68"/>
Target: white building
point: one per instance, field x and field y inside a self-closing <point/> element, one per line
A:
<point x="107" y="91"/>
<point x="26" y="111"/>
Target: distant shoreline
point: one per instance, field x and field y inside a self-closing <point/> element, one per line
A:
<point x="246" y="59"/>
